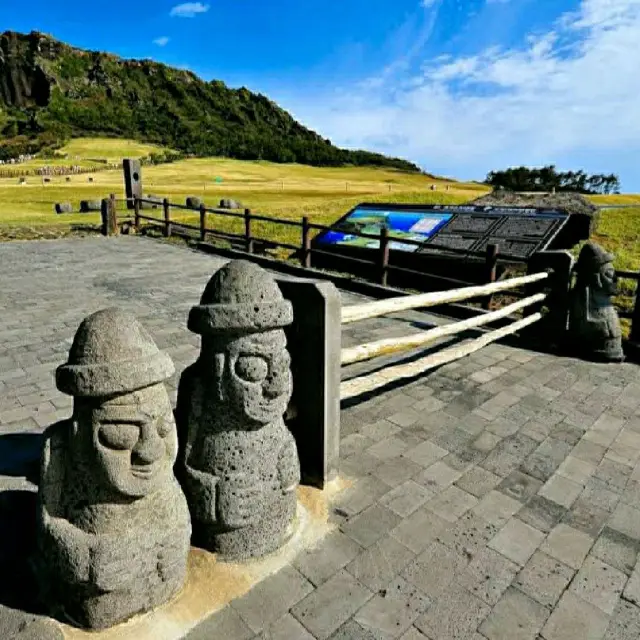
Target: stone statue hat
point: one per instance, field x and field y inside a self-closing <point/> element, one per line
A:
<point x="592" y="257"/>
<point x="240" y="297"/>
<point x="111" y="354"/>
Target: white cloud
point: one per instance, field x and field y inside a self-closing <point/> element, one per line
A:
<point x="188" y="10"/>
<point x="427" y="4"/>
<point x="569" y="95"/>
<point x="162" y="41"/>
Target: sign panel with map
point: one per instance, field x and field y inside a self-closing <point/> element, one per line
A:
<point x="418" y="225"/>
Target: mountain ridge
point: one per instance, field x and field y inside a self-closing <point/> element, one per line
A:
<point x="51" y="91"/>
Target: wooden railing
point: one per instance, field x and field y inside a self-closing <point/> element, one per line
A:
<point x="369" y="382"/>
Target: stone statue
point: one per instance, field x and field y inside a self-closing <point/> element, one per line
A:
<point x="113" y="524"/>
<point x="594" y="326"/>
<point x="238" y="462"/>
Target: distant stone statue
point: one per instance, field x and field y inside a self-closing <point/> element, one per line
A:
<point x="238" y="462"/>
<point x="113" y="524"/>
<point x="593" y="320"/>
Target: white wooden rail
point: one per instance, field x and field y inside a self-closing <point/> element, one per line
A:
<point x="356" y="312"/>
<point x="364" y="384"/>
<point x="394" y="345"/>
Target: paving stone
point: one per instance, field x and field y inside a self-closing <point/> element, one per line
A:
<point x="438" y="476"/>
<point x="332" y="554"/>
<point x="404" y="418"/>
<point x="626" y="519"/>
<point x="361" y="495"/>
<point x="625" y="622"/>
<point x="396" y="470"/>
<point x="544" y="461"/>
<point x="598" y="494"/>
<point x="413" y="634"/>
<point x="586" y="518"/>
<point x="468" y="536"/>
<point x="390" y="447"/>
<point x="371" y="525"/>
<point x="426" y="454"/>
<point x="561" y="490"/>
<point x="478" y="482"/>
<point x="599" y="584"/>
<point x="419" y="529"/>
<point x="379" y="564"/>
<point x="516" y="617"/>
<point x="631" y="493"/>
<point x="497" y="508"/>
<point x="501" y="463"/>
<point x="613" y="473"/>
<point x="272" y="598"/>
<point x="632" y="590"/>
<point x="351" y="630"/>
<point x="287" y="628"/>
<point x="434" y="569"/>
<point x="520" y="486"/>
<point x="589" y="452"/>
<point x="227" y="624"/>
<point x="517" y="541"/>
<point x="544" y="579"/>
<point x="542" y="514"/>
<point x="354" y="443"/>
<point x="567" y="545"/>
<point x="324" y="610"/>
<point x="575" y="619"/>
<point x="451" y="503"/>
<point x="455" y="614"/>
<point x="358" y="464"/>
<point x="488" y="575"/>
<point x="617" y="549"/>
<point x="576" y="470"/>
<point x="406" y="498"/>
<point x="379" y="430"/>
<point x="486" y="442"/>
<point x="393" y="609"/>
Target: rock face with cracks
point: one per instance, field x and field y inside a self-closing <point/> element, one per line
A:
<point x="594" y="325"/>
<point x="113" y="524"/>
<point x="238" y="462"/>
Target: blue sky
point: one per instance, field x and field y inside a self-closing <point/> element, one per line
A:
<point x="461" y="87"/>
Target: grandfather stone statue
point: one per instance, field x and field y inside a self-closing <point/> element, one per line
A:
<point x="593" y="320"/>
<point x="113" y="523"/>
<point x="238" y="462"/>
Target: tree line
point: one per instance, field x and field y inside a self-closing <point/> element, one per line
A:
<point x="549" y="179"/>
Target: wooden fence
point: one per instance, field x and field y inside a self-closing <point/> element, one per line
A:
<point x="251" y="243"/>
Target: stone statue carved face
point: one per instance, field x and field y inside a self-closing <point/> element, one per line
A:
<point x="608" y="280"/>
<point x="255" y="377"/>
<point x="130" y="441"/>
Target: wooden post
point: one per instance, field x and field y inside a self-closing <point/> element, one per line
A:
<point x="305" y="256"/>
<point x="104" y="214"/>
<point x="248" y="240"/>
<point x="203" y="223"/>
<point x="384" y="256"/>
<point x="491" y="264"/>
<point x="167" y="218"/>
<point x="136" y="212"/>
<point x="635" y="318"/>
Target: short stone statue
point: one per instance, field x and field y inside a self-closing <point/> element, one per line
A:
<point x="238" y="462"/>
<point x="113" y="524"/>
<point x="594" y="326"/>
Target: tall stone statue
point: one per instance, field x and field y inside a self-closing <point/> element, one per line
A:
<point x="238" y="462"/>
<point x="113" y="524"/>
<point x="594" y="326"/>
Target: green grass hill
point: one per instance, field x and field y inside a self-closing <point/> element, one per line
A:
<point x="51" y="92"/>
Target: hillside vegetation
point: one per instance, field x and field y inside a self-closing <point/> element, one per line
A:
<point x="50" y="92"/>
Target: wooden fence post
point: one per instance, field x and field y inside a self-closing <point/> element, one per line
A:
<point x="384" y="256"/>
<point x="136" y="212"/>
<point x="203" y="223"/>
<point x="104" y="214"/>
<point x="305" y="256"/>
<point x="247" y="231"/>
<point x="167" y="218"/>
<point x="491" y="264"/>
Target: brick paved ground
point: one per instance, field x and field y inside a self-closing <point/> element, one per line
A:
<point x="497" y="498"/>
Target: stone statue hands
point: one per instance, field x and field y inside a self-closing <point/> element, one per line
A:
<point x="289" y="466"/>
<point x="112" y="562"/>
<point x="240" y="501"/>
